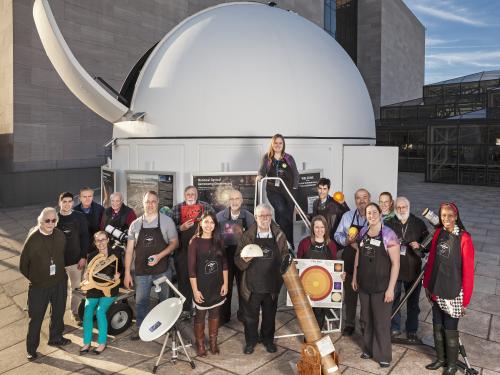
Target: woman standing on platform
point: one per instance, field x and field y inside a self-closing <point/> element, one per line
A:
<point x="208" y="274"/>
<point x="277" y="163"/>
<point x="318" y="246"/>
<point x="376" y="270"/>
<point x="448" y="283"/>
<point x="95" y="298"/>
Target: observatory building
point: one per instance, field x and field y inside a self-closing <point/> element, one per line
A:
<point x="257" y="71"/>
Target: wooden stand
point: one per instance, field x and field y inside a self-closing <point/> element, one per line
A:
<point x="96" y="280"/>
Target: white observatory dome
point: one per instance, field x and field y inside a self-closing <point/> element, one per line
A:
<point x="249" y="70"/>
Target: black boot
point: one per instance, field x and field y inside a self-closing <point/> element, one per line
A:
<point x="439" y="346"/>
<point x="451" y="340"/>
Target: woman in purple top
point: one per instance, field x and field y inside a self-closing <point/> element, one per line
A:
<point x="376" y="270"/>
<point x="207" y="267"/>
<point x="277" y="163"/>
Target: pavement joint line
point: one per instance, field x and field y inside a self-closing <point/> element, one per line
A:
<point x="397" y="362"/>
<point x="258" y="368"/>
<point x="489" y="328"/>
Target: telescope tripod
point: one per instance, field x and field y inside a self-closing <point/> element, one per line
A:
<point x="175" y="334"/>
<point x="464" y="366"/>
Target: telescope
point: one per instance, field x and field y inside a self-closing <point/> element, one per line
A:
<point x="116" y="233"/>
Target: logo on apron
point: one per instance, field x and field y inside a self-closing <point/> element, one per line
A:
<point x="369" y="252"/>
<point x="210" y="267"/>
<point x="149" y="240"/>
<point x="444" y="250"/>
<point x="267" y="253"/>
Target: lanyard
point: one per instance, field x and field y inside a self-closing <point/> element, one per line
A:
<point x="404" y="228"/>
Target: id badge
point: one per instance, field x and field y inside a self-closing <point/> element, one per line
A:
<point x="402" y="250"/>
<point x="52" y="270"/>
<point x="374" y="242"/>
<point x="277" y="183"/>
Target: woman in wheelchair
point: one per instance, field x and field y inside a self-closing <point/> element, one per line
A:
<point x="98" y="297"/>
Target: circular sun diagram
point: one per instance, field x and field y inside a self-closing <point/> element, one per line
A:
<point x="317" y="282"/>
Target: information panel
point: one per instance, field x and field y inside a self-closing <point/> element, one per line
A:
<point x="139" y="182"/>
<point x="214" y="188"/>
<point x="307" y="192"/>
<point x="322" y="282"/>
<point x="108" y="185"/>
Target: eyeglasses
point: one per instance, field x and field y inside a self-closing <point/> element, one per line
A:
<point x="47" y="221"/>
<point x="264" y="216"/>
<point x="101" y="240"/>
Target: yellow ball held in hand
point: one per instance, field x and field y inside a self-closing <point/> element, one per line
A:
<point x="338" y="196"/>
<point x="353" y="232"/>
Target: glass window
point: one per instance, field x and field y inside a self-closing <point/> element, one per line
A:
<point x="473" y="134"/>
<point x="472" y="175"/>
<point x="494" y="135"/>
<point x="472" y="155"/>
<point x="330" y="17"/>
<point x="444" y="154"/>
<point x="453" y="89"/>
<point x="444" y="135"/>
<point x="494" y="156"/>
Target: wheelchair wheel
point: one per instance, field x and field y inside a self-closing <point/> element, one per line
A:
<point x="119" y="318"/>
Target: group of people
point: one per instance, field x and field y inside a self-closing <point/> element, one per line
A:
<point x="380" y="245"/>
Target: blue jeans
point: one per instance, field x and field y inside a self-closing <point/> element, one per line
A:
<point x="143" y="285"/>
<point x="102" y="304"/>
<point x="412" y="308"/>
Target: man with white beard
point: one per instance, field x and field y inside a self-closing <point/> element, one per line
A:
<point x="411" y="231"/>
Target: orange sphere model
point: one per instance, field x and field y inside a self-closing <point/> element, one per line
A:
<point x="338" y="196"/>
<point x="353" y="231"/>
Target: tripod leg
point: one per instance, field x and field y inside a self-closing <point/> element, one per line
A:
<point x="174" y="345"/>
<point x="185" y="351"/>
<point x="161" y="353"/>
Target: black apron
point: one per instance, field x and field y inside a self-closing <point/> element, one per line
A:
<point x="374" y="264"/>
<point x="320" y="251"/>
<point x="279" y="168"/>
<point x="209" y="278"/>
<point x="263" y="276"/>
<point x="72" y="249"/>
<point x="149" y="242"/>
<point x="349" y="253"/>
<point x="446" y="277"/>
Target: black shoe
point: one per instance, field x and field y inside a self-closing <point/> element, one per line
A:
<point x="395" y="332"/>
<point x="348" y="331"/>
<point x="31" y="356"/>
<point x="63" y="341"/>
<point x="86" y="350"/>
<point x="412" y="337"/>
<point x="271" y="347"/>
<point x="248" y="348"/>
<point x="365" y="355"/>
<point x="384" y="364"/>
<point x="97" y="352"/>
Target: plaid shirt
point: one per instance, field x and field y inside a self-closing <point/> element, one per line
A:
<point x="175" y="214"/>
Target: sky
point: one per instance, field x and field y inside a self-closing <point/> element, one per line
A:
<point x="461" y="37"/>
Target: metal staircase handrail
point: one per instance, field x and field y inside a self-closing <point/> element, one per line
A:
<point x="258" y="192"/>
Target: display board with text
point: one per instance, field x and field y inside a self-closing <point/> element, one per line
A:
<point x="140" y="182"/>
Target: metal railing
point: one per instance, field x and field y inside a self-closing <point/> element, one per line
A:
<point x="259" y="187"/>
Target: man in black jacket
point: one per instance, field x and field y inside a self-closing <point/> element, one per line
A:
<point x="42" y="263"/>
<point x="411" y="232"/>
<point x="93" y="211"/>
<point x="75" y="227"/>
<point x="327" y="207"/>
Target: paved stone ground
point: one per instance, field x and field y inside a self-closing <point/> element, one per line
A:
<point x="480" y="327"/>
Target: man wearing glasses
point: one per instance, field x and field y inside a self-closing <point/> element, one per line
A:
<point x="233" y="221"/>
<point x="42" y="263"/>
<point x="261" y="279"/>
